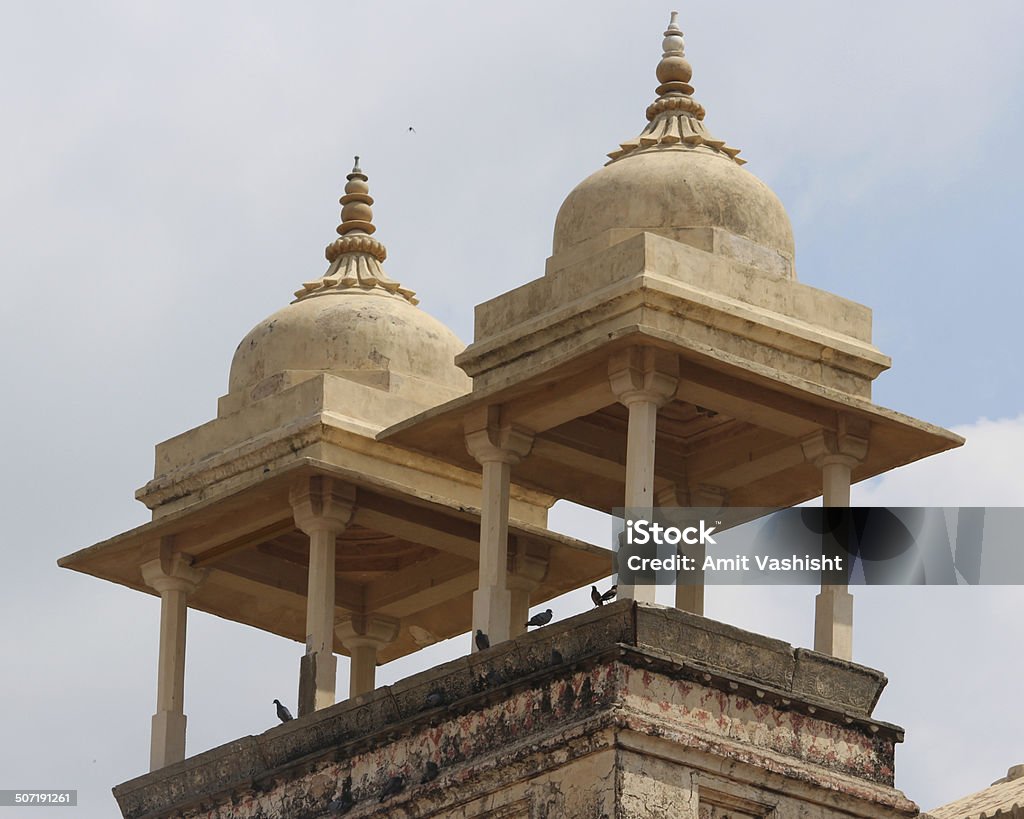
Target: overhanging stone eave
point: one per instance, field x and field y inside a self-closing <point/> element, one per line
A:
<point x="118" y="559"/>
<point x="903" y="439"/>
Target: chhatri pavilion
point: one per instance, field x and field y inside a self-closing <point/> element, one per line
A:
<point x="370" y="486"/>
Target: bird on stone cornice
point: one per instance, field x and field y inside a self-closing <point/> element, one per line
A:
<point x="540" y="619"/>
<point x="283" y="713"/>
<point x="600" y="598"/>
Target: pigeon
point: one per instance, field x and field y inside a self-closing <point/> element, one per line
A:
<point x="482" y="640"/>
<point x="610" y="594"/>
<point x="344" y="803"/>
<point x="434" y="699"/>
<point x="429" y="773"/>
<point x="541" y="619"/>
<point x="283" y="713"/>
<point x="595" y="595"/>
<point x="556" y="657"/>
<point x="494" y="678"/>
<point x="395" y="786"/>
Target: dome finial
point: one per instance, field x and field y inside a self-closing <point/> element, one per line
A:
<point x="355" y="257"/>
<point x="674" y="71"/>
<point x="356" y="213"/>
<point x="675" y="119"/>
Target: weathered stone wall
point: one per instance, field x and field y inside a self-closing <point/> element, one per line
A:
<point x="642" y="712"/>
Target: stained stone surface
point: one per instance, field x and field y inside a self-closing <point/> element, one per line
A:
<point x="651" y="712"/>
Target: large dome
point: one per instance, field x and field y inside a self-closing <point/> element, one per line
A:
<point x="677" y="180"/>
<point x="668" y="189"/>
<point x="353" y="322"/>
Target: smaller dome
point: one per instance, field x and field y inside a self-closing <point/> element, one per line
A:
<point x="371" y="337"/>
<point x="677" y="180"/>
<point x="353" y="322"/>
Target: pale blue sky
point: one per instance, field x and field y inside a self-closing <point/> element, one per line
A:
<point x="171" y="174"/>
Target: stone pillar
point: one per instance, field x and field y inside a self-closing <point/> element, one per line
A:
<point x="643" y="379"/>
<point x="525" y="572"/>
<point x="496" y="447"/>
<point x="835" y="454"/>
<point x="322" y="508"/>
<point x="173" y="577"/>
<point x="364" y="635"/>
<point x="690" y="596"/>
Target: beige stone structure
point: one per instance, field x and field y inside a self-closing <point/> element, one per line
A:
<point x="643" y="713"/>
<point x="285" y="513"/>
<point x="670" y="355"/>
<point x="1003" y="799"/>
<point x="369" y="487"/>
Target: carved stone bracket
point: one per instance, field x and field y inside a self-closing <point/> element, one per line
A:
<point x="321" y="502"/>
<point x="848" y="445"/>
<point x="489" y="439"/>
<point x="644" y="374"/>
<point x="172" y="571"/>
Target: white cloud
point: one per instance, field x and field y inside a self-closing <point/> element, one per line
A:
<point x="984" y="472"/>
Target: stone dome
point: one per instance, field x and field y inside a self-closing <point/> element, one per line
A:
<point x="677" y="180"/>
<point x="353" y="322"/>
<point x="373" y="337"/>
<point x="669" y="189"/>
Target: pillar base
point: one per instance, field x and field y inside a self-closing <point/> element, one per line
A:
<point x="833" y="622"/>
<point x="690" y="598"/>
<point x="167" y="744"/>
<point x="492" y="610"/>
<point x="318" y="675"/>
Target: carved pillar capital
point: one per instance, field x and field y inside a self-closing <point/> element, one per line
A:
<point x="490" y="439"/>
<point x="825" y="447"/>
<point x="360" y="630"/>
<point x="322" y="503"/>
<point x="172" y="571"/>
<point x="643" y="374"/>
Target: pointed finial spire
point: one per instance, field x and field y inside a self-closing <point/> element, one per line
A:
<point x="675" y="118"/>
<point x="355" y="257"/>
<point x="356" y="213"/>
<point x="674" y="71"/>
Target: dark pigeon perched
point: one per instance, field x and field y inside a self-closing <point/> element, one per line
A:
<point x="434" y="699"/>
<point x="541" y="619"/>
<point x="595" y="595"/>
<point x="610" y="594"/>
<point x="283" y="713"/>
<point x="482" y="640"/>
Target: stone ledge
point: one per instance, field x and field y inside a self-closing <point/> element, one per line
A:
<point x="673" y="643"/>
